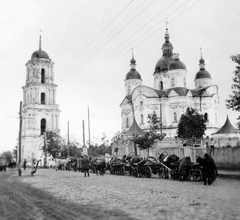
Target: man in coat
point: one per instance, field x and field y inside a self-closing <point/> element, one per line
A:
<point x="183" y="170"/>
<point x="209" y="169"/>
<point x="85" y="165"/>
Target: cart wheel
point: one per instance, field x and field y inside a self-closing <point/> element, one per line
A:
<point x="197" y="175"/>
<point x="161" y="172"/>
<point x="148" y="172"/>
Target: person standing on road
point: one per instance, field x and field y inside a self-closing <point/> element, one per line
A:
<point x="24" y="164"/>
<point x="85" y="165"/>
<point x="183" y="170"/>
<point x="209" y="169"/>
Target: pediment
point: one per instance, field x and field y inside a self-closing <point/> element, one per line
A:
<point x="172" y="93"/>
<point x="125" y="101"/>
<point x="189" y="94"/>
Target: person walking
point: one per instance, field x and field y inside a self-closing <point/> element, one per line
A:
<point x="209" y="169"/>
<point x="24" y="164"/>
<point x="85" y="165"/>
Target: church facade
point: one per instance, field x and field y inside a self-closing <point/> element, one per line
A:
<point x="40" y="110"/>
<point x="169" y="97"/>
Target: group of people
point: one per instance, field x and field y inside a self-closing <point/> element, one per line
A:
<point x="209" y="169"/>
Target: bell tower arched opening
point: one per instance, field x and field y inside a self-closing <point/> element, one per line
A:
<point x="43" y="98"/>
<point x="43" y="126"/>
<point x="43" y="76"/>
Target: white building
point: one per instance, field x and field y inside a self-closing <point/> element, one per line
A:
<point x="169" y="97"/>
<point x="40" y="111"/>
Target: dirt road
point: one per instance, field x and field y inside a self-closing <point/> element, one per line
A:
<point x="67" y="195"/>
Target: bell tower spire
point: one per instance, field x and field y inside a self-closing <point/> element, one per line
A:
<point x="40" y="41"/>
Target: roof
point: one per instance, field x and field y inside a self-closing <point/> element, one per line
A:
<point x="128" y="97"/>
<point x="163" y="64"/>
<point x="177" y="64"/>
<point x="202" y="73"/>
<point x="227" y="128"/>
<point x="39" y="54"/>
<point x="133" y="74"/>
<point x="181" y="91"/>
<point x="135" y="129"/>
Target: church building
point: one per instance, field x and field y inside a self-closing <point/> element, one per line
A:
<point x="169" y="97"/>
<point x="40" y="111"/>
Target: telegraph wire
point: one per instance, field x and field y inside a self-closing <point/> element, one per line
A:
<point x="136" y="32"/>
<point x="98" y="48"/>
<point x="86" y="76"/>
<point x="169" y="21"/>
<point x="104" y="65"/>
<point x="99" y="33"/>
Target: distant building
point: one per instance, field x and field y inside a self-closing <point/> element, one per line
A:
<point x="40" y="111"/>
<point x="169" y="97"/>
<point x="226" y="136"/>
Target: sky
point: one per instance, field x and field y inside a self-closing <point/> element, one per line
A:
<point x="90" y="43"/>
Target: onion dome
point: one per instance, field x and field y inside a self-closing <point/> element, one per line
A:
<point x="164" y="62"/>
<point x="133" y="74"/>
<point x="167" y="47"/>
<point x="39" y="54"/>
<point x="176" y="63"/>
<point x="202" y="73"/>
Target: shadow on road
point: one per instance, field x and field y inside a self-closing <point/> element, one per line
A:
<point x="21" y="201"/>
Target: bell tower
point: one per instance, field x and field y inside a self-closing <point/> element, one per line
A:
<point x="40" y="111"/>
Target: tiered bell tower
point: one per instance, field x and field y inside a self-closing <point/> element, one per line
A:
<point x="40" y="111"/>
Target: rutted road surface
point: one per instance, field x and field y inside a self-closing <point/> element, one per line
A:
<point x="67" y="195"/>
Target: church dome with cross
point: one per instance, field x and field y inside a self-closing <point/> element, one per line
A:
<point x="39" y="54"/>
<point x="169" y="97"/>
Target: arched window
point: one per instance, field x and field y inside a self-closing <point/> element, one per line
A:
<point x="161" y="85"/>
<point x="175" y="117"/>
<point x="43" y="76"/>
<point x="127" y="123"/>
<point x="43" y="101"/>
<point x="43" y="126"/>
<point x="206" y="117"/>
<point x="141" y="104"/>
<point x="216" y="118"/>
<point x="142" y="119"/>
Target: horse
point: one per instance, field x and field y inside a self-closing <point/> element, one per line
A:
<point x="100" y="166"/>
<point x="61" y="164"/>
<point x="12" y="165"/>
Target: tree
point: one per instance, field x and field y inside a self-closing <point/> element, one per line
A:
<point x="152" y="136"/>
<point x="234" y="100"/>
<point x="8" y="155"/>
<point x="191" y="126"/>
<point x="54" y="143"/>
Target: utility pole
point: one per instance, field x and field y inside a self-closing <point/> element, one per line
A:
<point x="45" y="144"/>
<point x="160" y="119"/>
<point x="89" y="128"/>
<point x="20" y="141"/>
<point x="68" y="139"/>
<point x="83" y="133"/>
